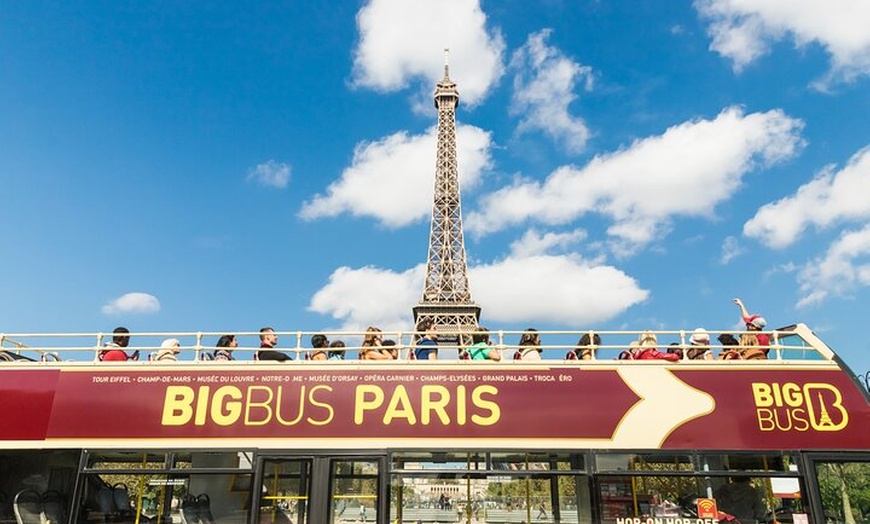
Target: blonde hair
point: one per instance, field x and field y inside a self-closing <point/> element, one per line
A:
<point x="372" y="333"/>
<point x="749" y="340"/>
<point x="648" y="339"/>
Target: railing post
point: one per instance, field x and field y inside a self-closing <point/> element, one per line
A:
<point x="198" y="348"/>
<point x="776" y="346"/>
<point x="99" y="345"/>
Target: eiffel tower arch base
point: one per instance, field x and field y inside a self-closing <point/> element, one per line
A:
<point x="453" y="321"/>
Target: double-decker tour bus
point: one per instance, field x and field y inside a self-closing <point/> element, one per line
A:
<point x="668" y="440"/>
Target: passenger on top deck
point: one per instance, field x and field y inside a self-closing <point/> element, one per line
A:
<point x="169" y="349"/>
<point x="754" y="323"/>
<point x="319" y="342"/>
<point x="645" y="349"/>
<point x="115" y="348"/>
<point x="427" y="345"/>
<point x="389" y="347"/>
<point x="268" y="340"/>
<point x="585" y="346"/>
<point x="372" y="346"/>
<point x="336" y="351"/>
<point x="530" y="346"/>
<point x="751" y="348"/>
<point x="480" y="348"/>
<point x="225" y="346"/>
<point x="700" y="346"/>
<point x="676" y="349"/>
<point x="727" y="340"/>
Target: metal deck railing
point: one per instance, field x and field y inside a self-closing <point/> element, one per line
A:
<point x="794" y="343"/>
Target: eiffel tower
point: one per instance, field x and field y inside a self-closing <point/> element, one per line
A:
<point x="446" y="294"/>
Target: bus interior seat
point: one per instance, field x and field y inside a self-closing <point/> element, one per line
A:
<point x="14" y="357"/>
<point x="104" y="500"/>
<point x="189" y="510"/>
<point x="203" y="502"/>
<point x="196" y="509"/>
<point x="53" y="507"/>
<point x="27" y="507"/>
<point x="121" y="497"/>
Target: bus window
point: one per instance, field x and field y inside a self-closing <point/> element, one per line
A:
<point x="643" y="462"/>
<point x="165" y="488"/>
<point x="354" y="491"/>
<point x="843" y="489"/>
<point x="37" y="474"/>
<point x="517" y="487"/>
<point x="285" y="492"/>
<point x="750" y="500"/>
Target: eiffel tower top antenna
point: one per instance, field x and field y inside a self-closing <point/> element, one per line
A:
<point x="446" y="294"/>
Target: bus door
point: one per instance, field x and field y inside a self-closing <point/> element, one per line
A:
<point x="320" y="489"/>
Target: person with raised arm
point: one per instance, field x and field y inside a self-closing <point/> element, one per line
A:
<point x="754" y="323"/>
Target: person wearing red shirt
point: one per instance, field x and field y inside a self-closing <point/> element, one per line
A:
<point x="115" y="349"/>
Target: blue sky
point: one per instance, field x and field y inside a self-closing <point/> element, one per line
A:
<point x="625" y="165"/>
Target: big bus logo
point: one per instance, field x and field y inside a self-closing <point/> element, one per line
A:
<point x="791" y="407"/>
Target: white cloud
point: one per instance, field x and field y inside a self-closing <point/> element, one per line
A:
<point x="685" y="171"/>
<point x="845" y="266"/>
<point x="742" y="30"/>
<point x="731" y="249"/>
<point x="534" y="243"/>
<point x="549" y="288"/>
<point x="401" y="40"/>
<point x="543" y="288"/>
<point x="370" y="296"/>
<point x="270" y="174"/>
<point x="392" y="179"/>
<point x="786" y="267"/>
<point x="831" y="197"/>
<point x="132" y="303"/>
<point x="544" y="88"/>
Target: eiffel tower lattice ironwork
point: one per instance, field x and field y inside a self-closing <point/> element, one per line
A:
<point x="446" y="294"/>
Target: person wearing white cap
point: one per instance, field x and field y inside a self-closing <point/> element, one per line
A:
<point x="754" y="323"/>
<point x="169" y="348"/>
<point x="700" y="342"/>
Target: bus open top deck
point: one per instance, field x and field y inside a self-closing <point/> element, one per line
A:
<point x="555" y="440"/>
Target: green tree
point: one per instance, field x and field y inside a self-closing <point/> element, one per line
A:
<point x="845" y="490"/>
